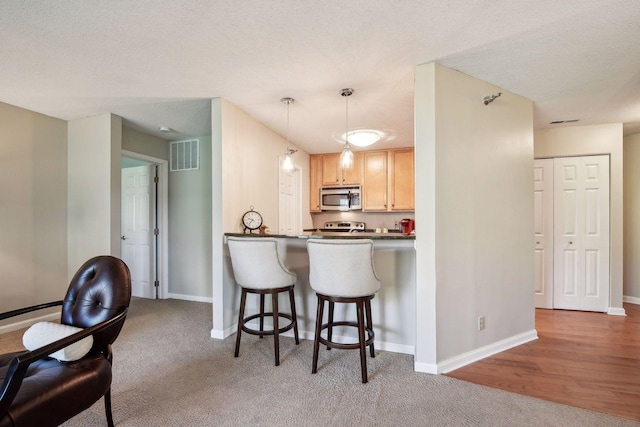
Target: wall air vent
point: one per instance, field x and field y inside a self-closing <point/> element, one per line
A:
<point x="185" y="155"/>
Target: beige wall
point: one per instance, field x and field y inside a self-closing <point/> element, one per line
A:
<point x="143" y="143"/>
<point x="474" y="210"/>
<point x="251" y="153"/>
<point x="93" y="205"/>
<point x="190" y="257"/>
<point x="245" y="159"/>
<point x="586" y="140"/>
<point x="631" y="287"/>
<point x="33" y="208"/>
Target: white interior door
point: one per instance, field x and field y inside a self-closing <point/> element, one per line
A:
<point x="543" y="232"/>
<point x="137" y="228"/>
<point x="581" y="233"/>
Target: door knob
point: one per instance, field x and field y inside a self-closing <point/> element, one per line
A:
<point x="571" y="243"/>
<point x="123" y="238"/>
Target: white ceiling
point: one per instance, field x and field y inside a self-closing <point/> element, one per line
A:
<point x="157" y="62"/>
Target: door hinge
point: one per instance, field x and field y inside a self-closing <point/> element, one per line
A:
<point x="156" y="231"/>
<point x="156" y="283"/>
<point x="156" y="179"/>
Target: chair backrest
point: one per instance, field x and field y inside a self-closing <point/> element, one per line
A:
<point x="342" y="267"/>
<point x="99" y="291"/>
<point x="256" y="263"/>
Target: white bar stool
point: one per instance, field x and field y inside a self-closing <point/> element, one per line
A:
<point x="258" y="270"/>
<point x="341" y="270"/>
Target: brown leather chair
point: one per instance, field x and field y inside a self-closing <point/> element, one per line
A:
<point x="41" y="391"/>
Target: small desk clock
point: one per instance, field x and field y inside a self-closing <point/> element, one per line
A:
<point x="251" y="220"/>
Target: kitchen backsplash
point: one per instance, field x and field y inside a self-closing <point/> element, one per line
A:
<point x="372" y="220"/>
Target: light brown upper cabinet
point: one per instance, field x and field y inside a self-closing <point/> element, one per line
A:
<point x="315" y="182"/>
<point x="387" y="178"/>
<point x="402" y="180"/>
<point x="388" y="181"/>
<point x="374" y="181"/>
<point x="333" y="175"/>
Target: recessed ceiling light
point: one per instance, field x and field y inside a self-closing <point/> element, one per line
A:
<point x="165" y="129"/>
<point x="364" y="137"/>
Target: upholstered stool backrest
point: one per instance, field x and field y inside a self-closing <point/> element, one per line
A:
<point x="257" y="264"/>
<point x="99" y="291"/>
<point x="342" y="267"/>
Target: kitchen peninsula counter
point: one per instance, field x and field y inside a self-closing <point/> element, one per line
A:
<point x="330" y="235"/>
<point x="393" y="308"/>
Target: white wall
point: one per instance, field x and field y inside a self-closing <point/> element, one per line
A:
<point x="33" y="208"/>
<point x="631" y="287"/>
<point x="474" y="210"/>
<point x="93" y="186"/>
<point x="586" y="140"/>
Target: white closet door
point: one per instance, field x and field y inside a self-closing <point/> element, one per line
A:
<point x="543" y="232"/>
<point x="581" y="233"/>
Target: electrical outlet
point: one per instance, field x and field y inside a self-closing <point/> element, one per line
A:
<point x="481" y="323"/>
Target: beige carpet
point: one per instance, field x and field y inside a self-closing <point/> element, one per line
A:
<point x="168" y="371"/>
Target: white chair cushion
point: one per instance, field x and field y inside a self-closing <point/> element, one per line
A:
<point x="256" y="263"/>
<point x="342" y="267"/>
<point x="43" y="333"/>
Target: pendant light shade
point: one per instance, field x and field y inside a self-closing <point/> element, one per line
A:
<point x="287" y="163"/>
<point x="346" y="158"/>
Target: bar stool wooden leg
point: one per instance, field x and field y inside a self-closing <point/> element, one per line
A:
<point x="261" y="314"/>
<point x="276" y="328"/>
<point x="316" y="340"/>
<point x="243" y="299"/>
<point x="292" y="301"/>
<point x="330" y="328"/>
<point x="361" y="338"/>
<point x="372" y="350"/>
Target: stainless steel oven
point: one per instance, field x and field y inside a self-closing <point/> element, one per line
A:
<point x="345" y="198"/>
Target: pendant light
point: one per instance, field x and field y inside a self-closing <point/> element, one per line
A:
<point x="346" y="158"/>
<point x="287" y="163"/>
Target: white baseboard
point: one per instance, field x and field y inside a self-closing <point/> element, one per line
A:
<point x="191" y="298"/>
<point x="483" y="352"/>
<point x="427" y="368"/>
<point x="631" y="300"/>
<point x="309" y="335"/>
<point x="616" y="311"/>
<point x="26" y="323"/>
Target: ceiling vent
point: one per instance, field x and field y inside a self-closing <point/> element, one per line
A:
<point x="185" y="155"/>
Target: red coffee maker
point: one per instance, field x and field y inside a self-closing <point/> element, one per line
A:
<point x="406" y="226"/>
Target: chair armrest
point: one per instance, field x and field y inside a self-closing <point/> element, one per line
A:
<point x="25" y="310"/>
<point x="20" y="363"/>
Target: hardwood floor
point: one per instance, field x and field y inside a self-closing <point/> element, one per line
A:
<point x="583" y="359"/>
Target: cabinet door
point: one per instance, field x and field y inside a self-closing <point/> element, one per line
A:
<point x="315" y="182"/>
<point x="401" y="180"/>
<point x="374" y="181"/>
<point x="330" y="169"/>
<point x="354" y="175"/>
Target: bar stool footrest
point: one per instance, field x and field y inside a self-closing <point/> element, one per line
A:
<point x="346" y="346"/>
<point x="267" y="331"/>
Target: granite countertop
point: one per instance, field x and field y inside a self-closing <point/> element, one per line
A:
<point x="331" y="235"/>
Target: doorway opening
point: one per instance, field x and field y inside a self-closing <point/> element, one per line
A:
<point x="145" y="248"/>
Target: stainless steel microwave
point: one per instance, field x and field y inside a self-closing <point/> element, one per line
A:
<point x="345" y="198"/>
